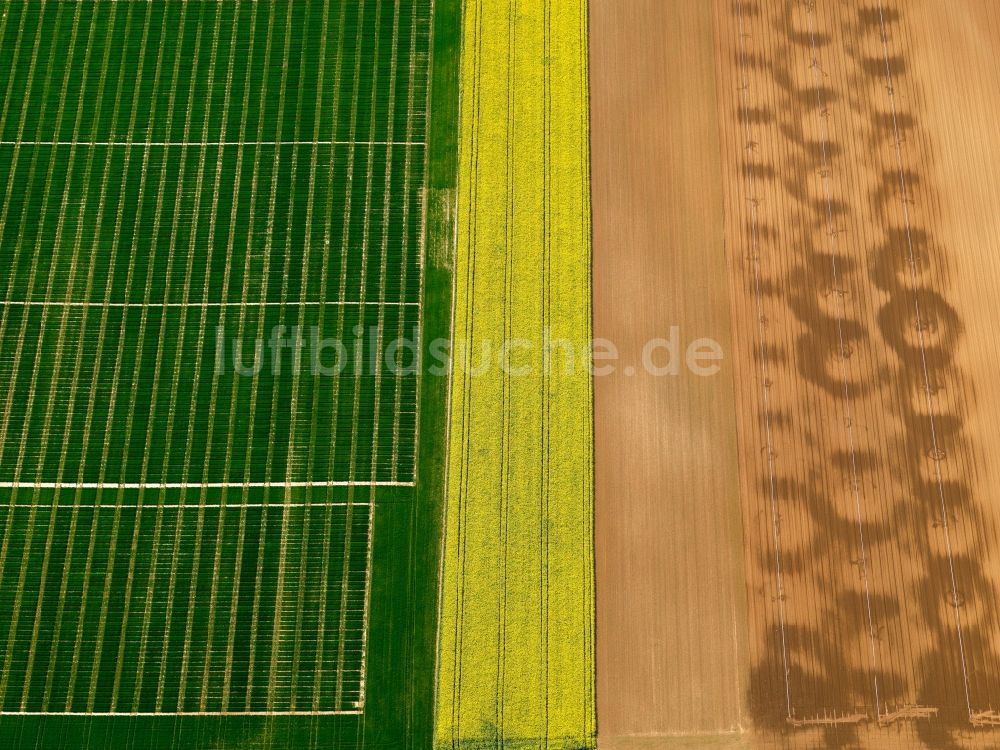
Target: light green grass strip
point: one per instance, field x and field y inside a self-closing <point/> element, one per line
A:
<point x="516" y="665"/>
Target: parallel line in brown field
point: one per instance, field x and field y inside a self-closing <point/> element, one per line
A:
<point x="818" y="113"/>
<point x="755" y="250"/>
<point x="672" y="652"/>
<point x="861" y="224"/>
<point x="904" y="202"/>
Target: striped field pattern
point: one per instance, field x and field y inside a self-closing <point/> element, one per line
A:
<point x="516" y="633"/>
<point x="178" y="181"/>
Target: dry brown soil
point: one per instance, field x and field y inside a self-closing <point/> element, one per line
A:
<point x="802" y="550"/>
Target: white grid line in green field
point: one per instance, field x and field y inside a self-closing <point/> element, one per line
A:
<point x="28" y="484"/>
<point x="208" y="144"/>
<point x="132" y="541"/>
<point x="193" y="506"/>
<point x="153" y="305"/>
<point x="168" y="714"/>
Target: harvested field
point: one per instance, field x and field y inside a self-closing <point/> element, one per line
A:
<point x="860" y="237"/>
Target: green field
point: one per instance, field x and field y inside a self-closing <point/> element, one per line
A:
<point x="207" y="540"/>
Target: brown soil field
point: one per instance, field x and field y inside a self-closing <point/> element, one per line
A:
<point x="667" y="509"/>
<point x="801" y="550"/>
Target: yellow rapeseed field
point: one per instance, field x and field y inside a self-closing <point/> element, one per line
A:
<point x="517" y="605"/>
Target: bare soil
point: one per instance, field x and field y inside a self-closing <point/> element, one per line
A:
<point x="856" y="248"/>
<point x="671" y="652"/>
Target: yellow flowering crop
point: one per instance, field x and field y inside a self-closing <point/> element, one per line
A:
<point x="516" y="633"/>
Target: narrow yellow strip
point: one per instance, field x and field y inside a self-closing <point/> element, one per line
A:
<point x="516" y="635"/>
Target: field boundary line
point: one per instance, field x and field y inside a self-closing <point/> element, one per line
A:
<point x="153" y="305"/>
<point x="749" y="185"/>
<point x="190" y="485"/>
<point x="189" y="506"/>
<point x="209" y="144"/>
<point x="227" y="666"/>
<point x="168" y="714"/>
<point x="314" y="456"/>
<point x="890" y="80"/>
<point x="826" y="163"/>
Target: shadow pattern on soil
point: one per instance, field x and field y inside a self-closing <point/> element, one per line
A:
<point x="841" y="236"/>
